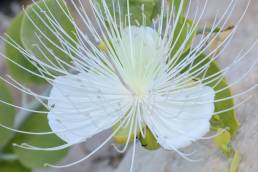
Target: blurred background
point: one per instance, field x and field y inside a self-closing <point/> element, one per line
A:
<point x="212" y="160"/>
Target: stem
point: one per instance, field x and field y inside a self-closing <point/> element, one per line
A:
<point x="8" y="157"/>
<point x="216" y="30"/>
<point x="24" y="98"/>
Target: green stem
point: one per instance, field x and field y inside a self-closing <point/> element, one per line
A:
<point x="8" y="157"/>
<point x="216" y="30"/>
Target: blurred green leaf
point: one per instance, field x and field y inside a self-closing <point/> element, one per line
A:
<point x="40" y="33"/>
<point x="7" y="114"/>
<point x="184" y="34"/>
<point x="235" y="162"/>
<point x="178" y="3"/>
<point x="14" y="54"/>
<point x="223" y="138"/>
<point x="12" y="166"/>
<point x="151" y="9"/>
<point x="222" y="141"/>
<point x="36" y="159"/>
<point x="228" y="118"/>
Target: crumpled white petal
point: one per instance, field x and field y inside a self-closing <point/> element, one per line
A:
<point x="83" y="106"/>
<point x="182" y="118"/>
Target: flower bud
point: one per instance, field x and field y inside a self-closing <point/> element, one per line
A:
<point x="123" y="133"/>
<point x="149" y="142"/>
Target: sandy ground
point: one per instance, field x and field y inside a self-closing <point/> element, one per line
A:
<point x="211" y="160"/>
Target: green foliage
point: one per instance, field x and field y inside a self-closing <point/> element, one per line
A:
<point x="228" y="118"/>
<point x="184" y="33"/>
<point x="150" y="9"/>
<point x="179" y="5"/>
<point x="36" y="159"/>
<point x="15" y="55"/>
<point x="40" y="36"/>
<point x="235" y="162"/>
<point x="7" y="114"/>
<point x="223" y="142"/>
<point x="13" y="166"/>
<point x="32" y="30"/>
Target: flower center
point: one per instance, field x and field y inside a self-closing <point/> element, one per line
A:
<point x="139" y="91"/>
<point x="140" y="52"/>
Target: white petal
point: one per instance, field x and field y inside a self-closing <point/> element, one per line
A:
<point x="140" y="51"/>
<point x="177" y="125"/>
<point x="80" y="104"/>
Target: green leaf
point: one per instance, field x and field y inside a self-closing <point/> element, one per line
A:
<point x="226" y="119"/>
<point x="113" y="9"/>
<point x="222" y="141"/>
<point x="223" y="138"/>
<point x="235" y="162"/>
<point x="42" y="37"/>
<point x="12" y="166"/>
<point x="36" y="159"/>
<point x="151" y="10"/>
<point x="7" y="114"/>
<point x="14" y="54"/>
<point x="178" y="3"/>
<point x="181" y="35"/>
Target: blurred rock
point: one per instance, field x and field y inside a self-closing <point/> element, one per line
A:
<point x="9" y="7"/>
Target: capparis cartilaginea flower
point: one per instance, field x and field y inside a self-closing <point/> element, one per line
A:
<point x="143" y="76"/>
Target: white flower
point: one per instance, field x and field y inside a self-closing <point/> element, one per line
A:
<point x="93" y="102"/>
